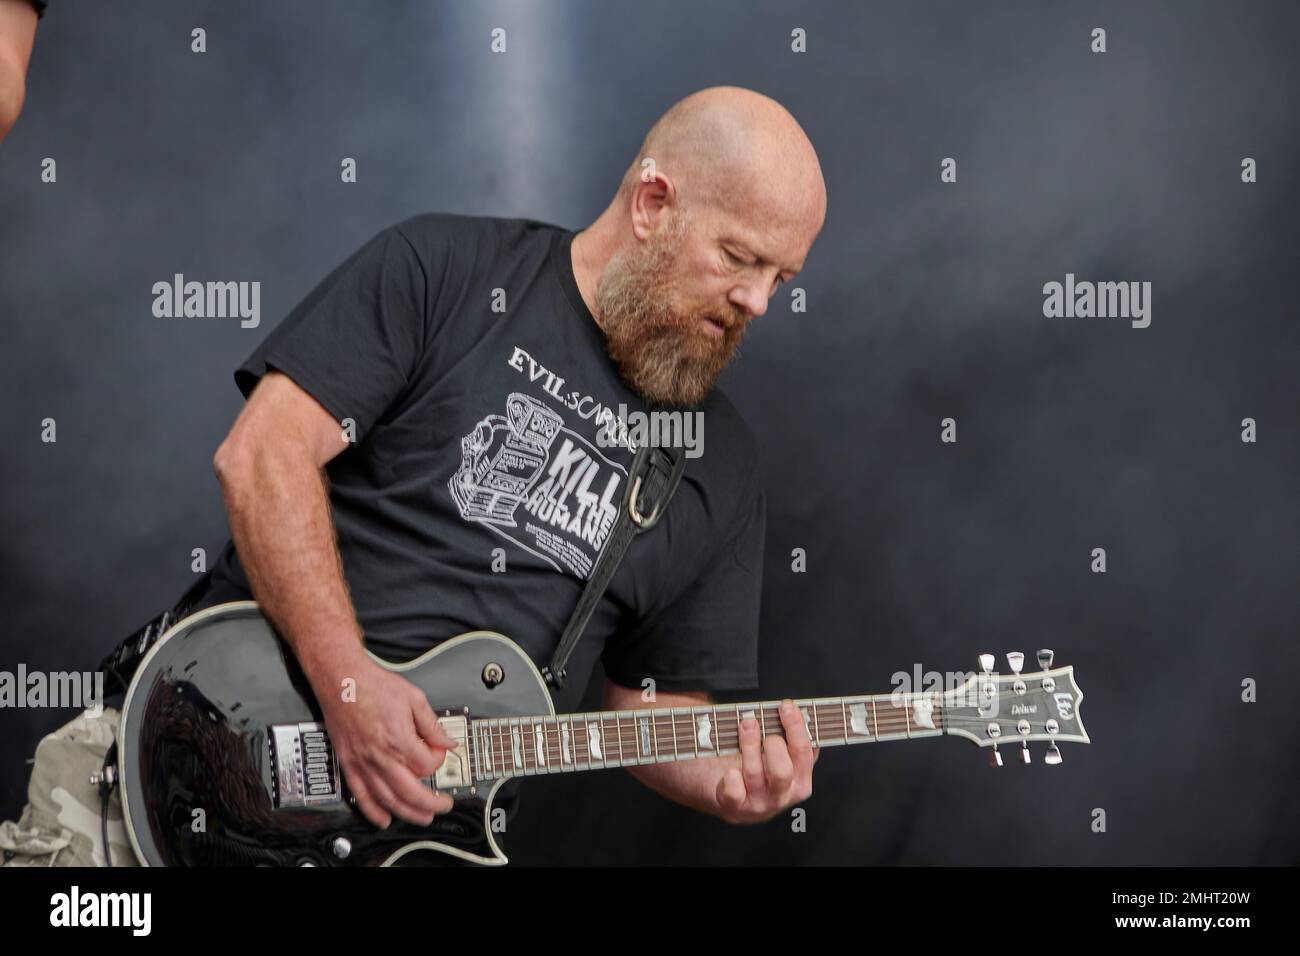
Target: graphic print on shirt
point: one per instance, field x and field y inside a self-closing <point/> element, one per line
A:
<point x="529" y="478"/>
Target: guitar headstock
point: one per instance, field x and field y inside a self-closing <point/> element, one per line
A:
<point x="1012" y="710"/>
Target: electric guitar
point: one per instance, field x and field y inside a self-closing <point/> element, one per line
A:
<point x="224" y="759"/>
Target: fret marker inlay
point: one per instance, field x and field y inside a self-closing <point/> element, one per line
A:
<point x="702" y="727"/>
<point x="858" y="718"/>
<point x="593" y="741"/>
<point x="922" y="709"/>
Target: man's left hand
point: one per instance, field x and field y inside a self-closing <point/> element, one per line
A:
<point x="775" y="772"/>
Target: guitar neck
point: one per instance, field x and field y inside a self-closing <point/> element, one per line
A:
<point x="526" y="746"/>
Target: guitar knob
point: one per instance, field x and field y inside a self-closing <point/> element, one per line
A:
<point x="995" y="758"/>
<point x="1024" y="752"/>
<point x="342" y="847"/>
<point x="1015" y="660"/>
<point x="1053" y="755"/>
<point x="986" y="663"/>
<point x="1045" y="658"/>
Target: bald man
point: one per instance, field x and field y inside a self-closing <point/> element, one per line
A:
<point x="421" y="454"/>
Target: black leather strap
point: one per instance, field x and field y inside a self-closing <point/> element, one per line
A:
<point x="654" y="477"/>
<point x="120" y="665"/>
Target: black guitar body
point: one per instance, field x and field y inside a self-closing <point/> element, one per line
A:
<point x="223" y="759"/>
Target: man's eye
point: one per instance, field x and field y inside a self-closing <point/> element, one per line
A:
<point x="732" y="256"/>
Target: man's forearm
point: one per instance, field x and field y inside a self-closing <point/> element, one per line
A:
<point x="692" y="783"/>
<point x="280" y="521"/>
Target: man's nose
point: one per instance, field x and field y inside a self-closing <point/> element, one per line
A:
<point x="751" y="300"/>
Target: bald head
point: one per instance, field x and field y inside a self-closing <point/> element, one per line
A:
<point x="737" y="151"/>
<point x="718" y="209"/>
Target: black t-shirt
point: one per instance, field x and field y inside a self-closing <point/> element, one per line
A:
<point x="476" y="432"/>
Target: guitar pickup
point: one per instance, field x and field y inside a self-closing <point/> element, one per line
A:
<point x="304" y="768"/>
<point x="454" y="774"/>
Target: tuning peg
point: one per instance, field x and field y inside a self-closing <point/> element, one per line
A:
<point x="1024" y="752"/>
<point x="995" y="758"/>
<point x="1045" y="658"/>
<point x="1053" y="755"/>
<point x="1016" y="661"/>
<point x="986" y="663"/>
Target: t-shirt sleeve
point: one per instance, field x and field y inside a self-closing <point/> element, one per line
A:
<point x="354" y="342"/>
<point x="707" y="638"/>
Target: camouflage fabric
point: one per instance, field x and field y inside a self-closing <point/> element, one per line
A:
<point x="60" y="825"/>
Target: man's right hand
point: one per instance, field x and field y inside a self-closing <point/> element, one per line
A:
<point x="386" y="737"/>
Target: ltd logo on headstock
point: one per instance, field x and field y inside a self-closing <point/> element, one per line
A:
<point x="1064" y="705"/>
<point x="1017" y="707"/>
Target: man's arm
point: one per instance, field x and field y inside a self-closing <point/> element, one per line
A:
<point x="17" y="35"/>
<point x="753" y="786"/>
<point x="270" y="469"/>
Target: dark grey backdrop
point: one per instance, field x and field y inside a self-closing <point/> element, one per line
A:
<point x="924" y="302"/>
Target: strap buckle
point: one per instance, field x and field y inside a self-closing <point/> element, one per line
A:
<point x="648" y="460"/>
<point x="638" y="519"/>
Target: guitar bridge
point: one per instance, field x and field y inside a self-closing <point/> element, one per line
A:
<point x="304" y="768"/>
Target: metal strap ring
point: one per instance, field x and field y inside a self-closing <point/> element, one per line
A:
<point x="639" y="519"/>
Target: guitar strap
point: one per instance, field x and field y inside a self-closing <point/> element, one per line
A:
<point x="654" y="477"/>
<point x="120" y="664"/>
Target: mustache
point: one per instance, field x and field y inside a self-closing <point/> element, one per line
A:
<point x="732" y="319"/>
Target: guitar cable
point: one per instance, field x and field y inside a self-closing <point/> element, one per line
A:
<point x="107" y="781"/>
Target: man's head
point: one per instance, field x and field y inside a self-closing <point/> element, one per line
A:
<point x="720" y="206"/>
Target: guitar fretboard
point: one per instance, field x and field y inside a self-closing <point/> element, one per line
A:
<point x="525" y="746"/>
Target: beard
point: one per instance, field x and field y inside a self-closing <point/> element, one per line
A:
<point x="662" y="351"/>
